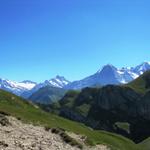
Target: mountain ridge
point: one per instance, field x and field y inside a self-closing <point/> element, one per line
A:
<point x="108" y="74"/>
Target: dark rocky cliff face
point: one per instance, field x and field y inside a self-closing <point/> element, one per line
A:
<point x="70" y="114"/>
<point x="143" y="106"/>
<point x="112" y="97"/>
<point x="101" y="108"/>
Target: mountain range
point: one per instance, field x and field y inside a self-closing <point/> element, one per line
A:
<point x="27" y="87"/>
<point x="16" y="87"/>
<point x="123" y="109"/>
<point x="108" y="74"/>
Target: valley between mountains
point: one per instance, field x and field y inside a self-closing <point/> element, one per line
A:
<point x="109" y="110"/>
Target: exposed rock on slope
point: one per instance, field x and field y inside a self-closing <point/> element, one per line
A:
<point x="15" y="135"/>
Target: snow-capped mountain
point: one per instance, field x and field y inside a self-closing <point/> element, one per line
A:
<point x="58" y="81"/>
<point x="109" y="74"/>
<point x="27" y="87"/>
<point x="16" y="87"/>
<point x="28" y="82"/>
<point x="140" y="69"/>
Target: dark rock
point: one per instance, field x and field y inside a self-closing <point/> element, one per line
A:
<point x="70" y="114"/>
<point x="2" y="143"/>
<point x="3" y="120"/>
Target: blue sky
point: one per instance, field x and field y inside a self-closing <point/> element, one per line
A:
<point x="74" y="38"/>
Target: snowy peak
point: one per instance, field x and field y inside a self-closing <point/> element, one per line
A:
<point x="140" y="69"/>
<point x="58" y="81"/>
<point x="109" y="74"/>
<point x="107" y="68"/>
<point x="16" y="87"/>
<point x="123" y="75"/>
<point x="60" y="77"/>
<point x="28" y="82"/>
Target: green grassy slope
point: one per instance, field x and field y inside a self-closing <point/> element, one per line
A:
<point x="141" y="84"/>
<point x="47" y="95"/>
<point x="145" y="145"/>
<point x="27" y="112"/>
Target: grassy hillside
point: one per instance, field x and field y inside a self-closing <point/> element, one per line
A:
<point x="27" y="112"/>
<point x="47" y="95"/>
<point x="141" y="84"/>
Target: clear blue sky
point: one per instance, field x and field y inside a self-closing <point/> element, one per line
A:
<point x="74" y="38"/>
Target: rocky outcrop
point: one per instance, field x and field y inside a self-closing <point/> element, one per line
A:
<point x="3" y="120"/>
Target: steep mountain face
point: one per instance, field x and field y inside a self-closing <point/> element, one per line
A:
<point x="16" y="87"/>
<point x="102" y="108"/>
<point x="112" y="102"/>
<point x="47" y="95"/>
<point x="110" y="75"/>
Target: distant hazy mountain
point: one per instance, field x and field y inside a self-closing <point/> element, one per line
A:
<point x="57" y="82"/>
<point x="27" y="87"/>
<point x="16" y="87"/>
<point x="109" y="74"/>
<point x="47" y="95"/>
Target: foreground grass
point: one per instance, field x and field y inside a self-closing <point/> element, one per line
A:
<point x="145" y="145"/>
<point x="29" y="113"/>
